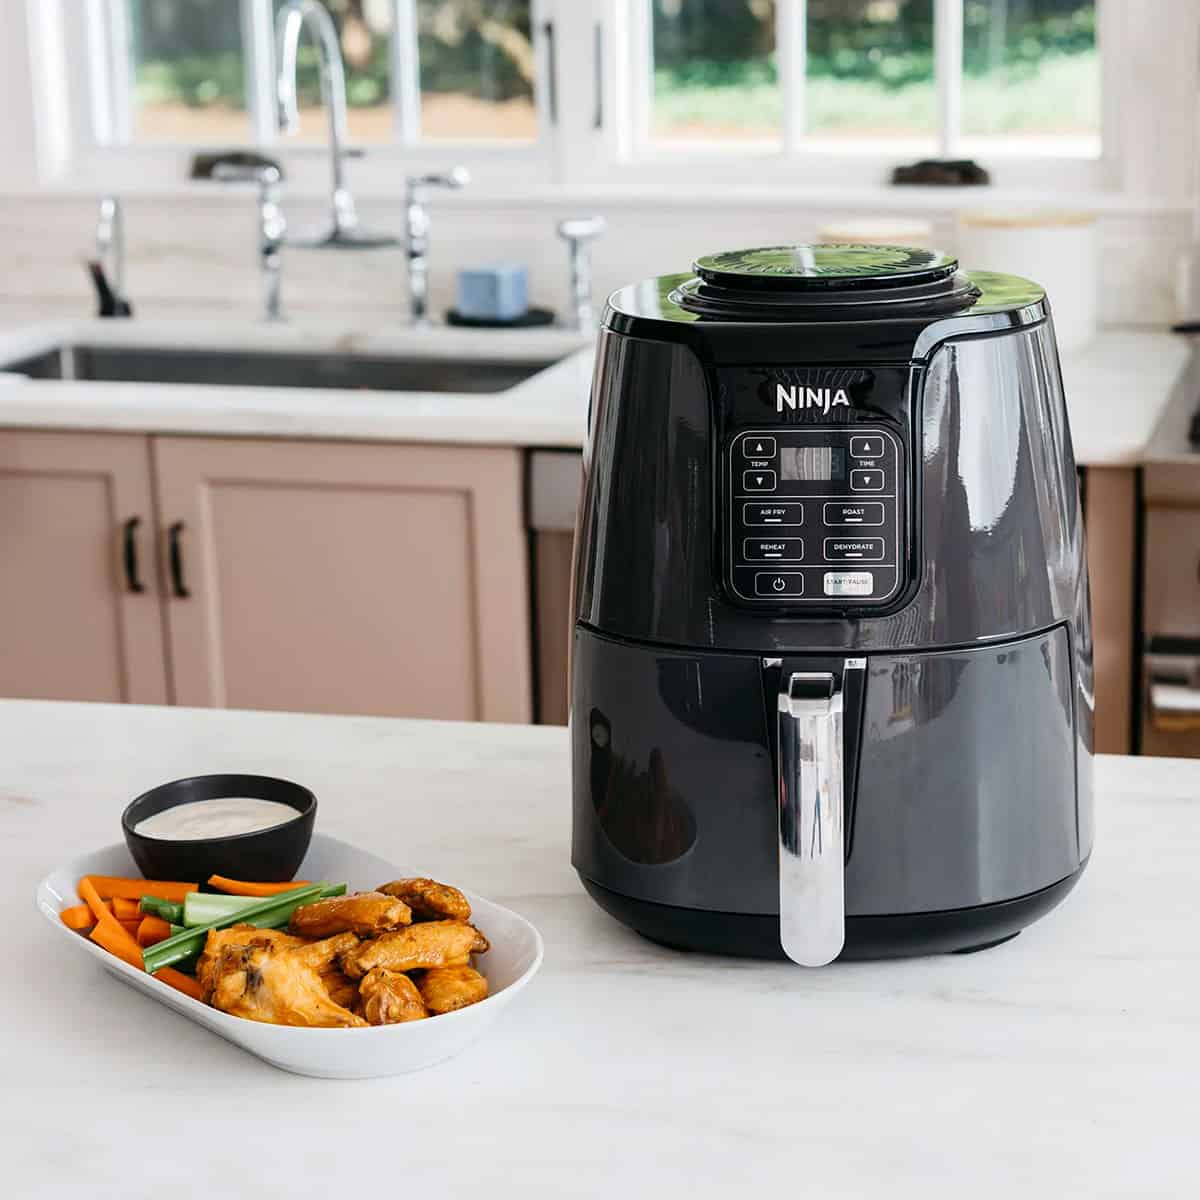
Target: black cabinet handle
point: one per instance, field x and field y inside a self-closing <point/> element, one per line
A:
<point x="175" y="556"/>
<point x="129" y="555"/>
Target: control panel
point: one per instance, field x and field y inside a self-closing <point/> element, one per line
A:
<point x="814" y="515"/>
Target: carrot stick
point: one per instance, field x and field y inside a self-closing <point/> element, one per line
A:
<point x="151" y="930"/>
<point x="110" y="886"/>
<point x="239" y="887"/>
<point x="113" y="936"/>
<point x="88" y="894"/>
<point x="130" y="927"/>
<point x="180" y="982"/>
<point x="78" y="916"/>
<point x="124" y="910"/>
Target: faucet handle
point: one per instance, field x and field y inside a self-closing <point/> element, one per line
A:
<point x="582" y="229"/>
<point x="455" y="178"/>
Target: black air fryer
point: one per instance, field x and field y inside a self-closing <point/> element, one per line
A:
<point x="832" y="673"/>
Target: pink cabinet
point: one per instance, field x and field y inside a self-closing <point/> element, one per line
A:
<point x="348" y="578"/>
<point x="315" y="576"/>
<point x="76" y="545"/>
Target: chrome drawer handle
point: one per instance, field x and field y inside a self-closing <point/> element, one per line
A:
<point x="812" y="855"/>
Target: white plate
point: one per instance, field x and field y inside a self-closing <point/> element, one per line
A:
<point x="513" y="960"/>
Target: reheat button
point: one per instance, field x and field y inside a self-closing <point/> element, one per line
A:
<point x="777" y="549"/>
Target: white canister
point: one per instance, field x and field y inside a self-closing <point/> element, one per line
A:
<point x="878" y="231"/>
<point x="1056" y="249"/>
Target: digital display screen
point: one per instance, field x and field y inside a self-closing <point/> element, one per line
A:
<point x="824" y="464"/>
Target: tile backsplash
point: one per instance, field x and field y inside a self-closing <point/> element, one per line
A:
<point x="201" y="250"/>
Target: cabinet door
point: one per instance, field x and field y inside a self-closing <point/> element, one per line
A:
<point x="349" y="578"/>
<point x="71" y="627"/>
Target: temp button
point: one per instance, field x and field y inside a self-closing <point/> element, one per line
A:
<point x="760" y="481"/>
<point x="778" y="583"/>
<point x="759" y="447"/>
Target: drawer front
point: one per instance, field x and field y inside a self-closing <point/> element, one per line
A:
<point x="1172" y="572"/>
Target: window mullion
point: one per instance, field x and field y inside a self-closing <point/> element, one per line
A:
<point x="791" y="57"/>
<point x="406" y="74"/>
<point x="119" y="47"/>
<point x="639" y="26"/>
<point x="258" y="38"/>
<point x="947" y="67"/>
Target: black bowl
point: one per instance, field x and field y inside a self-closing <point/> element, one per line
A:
<point x="268" y="855"/>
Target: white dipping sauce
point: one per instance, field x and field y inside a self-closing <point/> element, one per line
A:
<point x="223" y="816"/>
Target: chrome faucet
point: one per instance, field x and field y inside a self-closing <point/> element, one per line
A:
<point x="343" y="228"/>
<point x="416" y="241"/>
<point x="271" y="228"/>
<point x="578" y="233"/>
<point x="110" y="255"/>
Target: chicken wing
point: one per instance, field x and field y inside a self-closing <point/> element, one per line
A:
<point x="364" y="913"/>
<point x="340" y="988"/>
<point x="236" y="937"/>
<point x="429" y="900"/>
<point x="280" y="985"/>
<point x="429" y="944"/>
<point x="389" y="998"/>
<point x="443" y="989"/>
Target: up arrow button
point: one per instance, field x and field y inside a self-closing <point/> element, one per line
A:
<point x="758" y="447"/>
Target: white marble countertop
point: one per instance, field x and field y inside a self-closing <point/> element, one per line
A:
<point x="547" y="409"/>
<point x="1118" y="388"/>
<point x="1064" y="1063"/>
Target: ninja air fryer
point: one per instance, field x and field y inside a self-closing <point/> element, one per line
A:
<point x="832" y="666"/>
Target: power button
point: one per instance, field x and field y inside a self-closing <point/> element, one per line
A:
<point x="778" y="583"/>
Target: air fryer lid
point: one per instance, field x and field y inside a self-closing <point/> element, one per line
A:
<point x="815" y="281"/>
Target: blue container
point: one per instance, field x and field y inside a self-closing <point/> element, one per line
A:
<point x="492" y="293"/>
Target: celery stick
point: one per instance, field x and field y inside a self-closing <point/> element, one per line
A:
<point x="269" y="913"/>
<point x="202" y="908"/>
<point x="168" y="910"/>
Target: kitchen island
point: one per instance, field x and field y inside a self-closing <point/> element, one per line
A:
<point x="1064" y="1063"/>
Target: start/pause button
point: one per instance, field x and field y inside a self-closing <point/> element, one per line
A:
<point x="778" y="583"/>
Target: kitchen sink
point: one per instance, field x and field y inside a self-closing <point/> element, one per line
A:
<point x="126" y="364"/>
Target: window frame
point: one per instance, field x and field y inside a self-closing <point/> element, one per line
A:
<point x="593" y="95"/>
<point x="103" y="147"/>
<point x="827" y="160"/>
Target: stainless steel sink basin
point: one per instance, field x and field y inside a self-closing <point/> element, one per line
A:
<point x="271" y="369"/>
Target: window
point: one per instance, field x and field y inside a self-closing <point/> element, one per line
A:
<point x="610" y="90"/>
<point x="199" y="72"/>
<point x="188" y="70"/>
<point x="914" y="76"/>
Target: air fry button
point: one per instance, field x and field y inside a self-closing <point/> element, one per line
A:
<point x="778" y="583"/>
